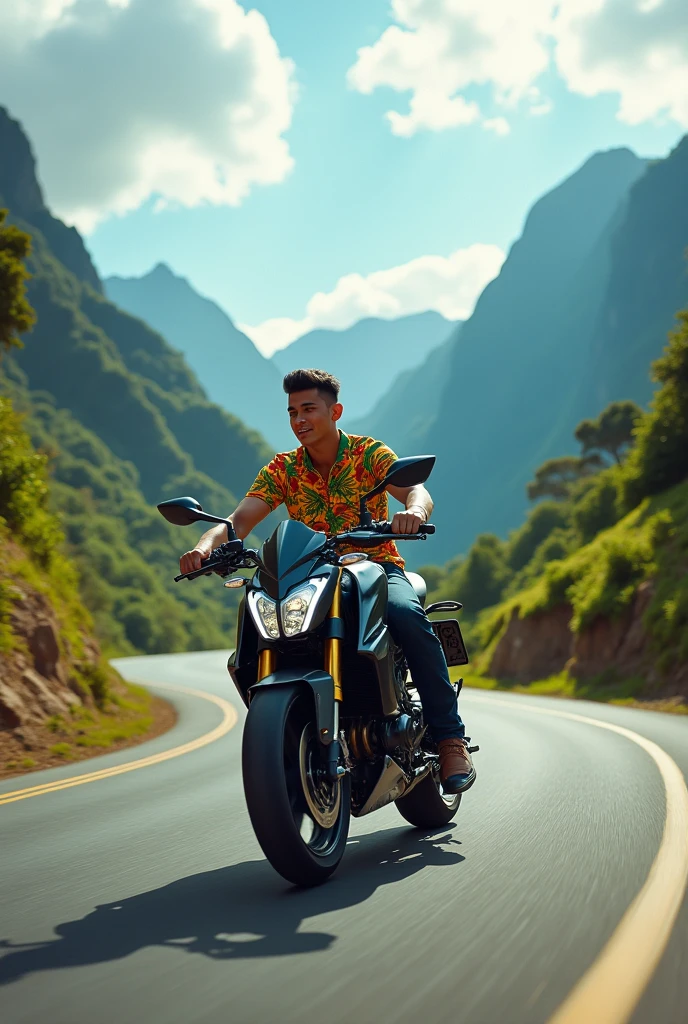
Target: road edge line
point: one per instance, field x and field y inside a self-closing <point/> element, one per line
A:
<point x="229" y="720"/>
<point x="611" y="988"/>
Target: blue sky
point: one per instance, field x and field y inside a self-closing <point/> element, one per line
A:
<point x="358" y="198"/>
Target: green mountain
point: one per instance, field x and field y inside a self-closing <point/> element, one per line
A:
<point x="230" y="368"/>
<point x="367" y="356"/>
<point x="127" y="424"/>
<point x="647" y="282"/>
<point x="403" y="415"/>
<point x="511" y="390"/>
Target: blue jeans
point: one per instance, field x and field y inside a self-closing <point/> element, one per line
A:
<point x="411" y="629"/>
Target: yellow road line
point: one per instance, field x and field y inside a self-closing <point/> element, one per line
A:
<point x="611" y="988"/>
<point x="229" y="720"/>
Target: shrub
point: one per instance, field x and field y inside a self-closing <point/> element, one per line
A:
<point x="659" y="459"/>
<point x="599" y="505"/>
<point x="541" y="521"/>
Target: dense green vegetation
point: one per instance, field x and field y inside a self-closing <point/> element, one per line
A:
<point x="605" y="535"/>
<point x="31" y="541"/>
<point x="510" y="390"/>
<point x="123" y="423"/>
<point x="579" y="310"/>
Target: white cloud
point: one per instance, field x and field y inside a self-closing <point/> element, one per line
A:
<point x="186" y="101"/>
<point x="637" y="50"/>
<point x="439" y="49"/>
<point x="450" y="285"/>
<point x="498" y="125"/>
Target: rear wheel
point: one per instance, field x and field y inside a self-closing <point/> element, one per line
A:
<point x="427" y="805"/>
<point x="299" y="815"/>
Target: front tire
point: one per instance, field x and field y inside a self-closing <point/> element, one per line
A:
<point x="300" y="817"/>
<point x="427" y="806"/>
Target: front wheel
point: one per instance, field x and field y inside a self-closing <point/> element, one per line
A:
<point x="299" y="815"/>
<point x="427" y="806"/>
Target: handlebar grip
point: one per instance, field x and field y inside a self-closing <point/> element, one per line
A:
<point x="385" y="530"/>
<point x="206" y="569"/>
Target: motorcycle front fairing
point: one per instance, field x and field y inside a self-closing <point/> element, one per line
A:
<point x="292" y="557"/>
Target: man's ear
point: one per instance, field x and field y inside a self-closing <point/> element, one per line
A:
<point x="336" y="411"/>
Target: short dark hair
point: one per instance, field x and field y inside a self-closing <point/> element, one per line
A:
<point x="302" y="380"/>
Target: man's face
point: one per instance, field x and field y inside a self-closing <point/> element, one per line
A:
<point x="310" y="416"/>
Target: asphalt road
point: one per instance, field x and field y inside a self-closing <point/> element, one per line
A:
<point x="143" y="896"/>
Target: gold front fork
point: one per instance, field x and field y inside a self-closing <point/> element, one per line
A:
<point x="333" y="645"/>
<point x="267" y="659"/>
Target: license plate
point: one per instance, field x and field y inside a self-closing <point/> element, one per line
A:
<point x="448" y="633"/>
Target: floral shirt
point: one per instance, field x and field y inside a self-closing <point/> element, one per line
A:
<point x="331" y="505"/>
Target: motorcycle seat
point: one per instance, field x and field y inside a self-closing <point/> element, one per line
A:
<point x="419" y="585"/>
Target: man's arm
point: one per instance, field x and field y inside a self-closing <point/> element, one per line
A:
<point x="245" y="518"/>
<point x="418" y="505"/>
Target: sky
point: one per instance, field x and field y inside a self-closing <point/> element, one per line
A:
<point x="308" y="163"/>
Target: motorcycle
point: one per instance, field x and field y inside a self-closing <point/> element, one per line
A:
<point x="334" y="727"/>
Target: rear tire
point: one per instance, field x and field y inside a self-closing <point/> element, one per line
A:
<point x="426" y="806"/>
<point x="286" y="794"/>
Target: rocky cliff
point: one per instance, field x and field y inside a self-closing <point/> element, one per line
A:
<point x="544" y="644"/>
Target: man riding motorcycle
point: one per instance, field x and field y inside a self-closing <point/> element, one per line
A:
<point x="321" y="483"/>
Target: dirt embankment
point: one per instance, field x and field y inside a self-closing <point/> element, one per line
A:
<point x="55" y="708"/>
<point x="543" y="644"/>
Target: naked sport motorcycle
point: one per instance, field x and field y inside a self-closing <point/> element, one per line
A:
<point x="334" y="726"/>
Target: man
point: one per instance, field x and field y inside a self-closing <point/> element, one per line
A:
<point x="321" y="483"/>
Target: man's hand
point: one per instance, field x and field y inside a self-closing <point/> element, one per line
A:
<point x="409" y="521"/>
<point x="191" y="560"/>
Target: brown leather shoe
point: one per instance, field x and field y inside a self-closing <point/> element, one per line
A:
<point x="456" y="767"/>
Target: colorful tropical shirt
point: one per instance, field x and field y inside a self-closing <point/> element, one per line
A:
<point x="331" y="505"/>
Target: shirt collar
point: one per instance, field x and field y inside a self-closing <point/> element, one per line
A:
<point x="341" y="450"/>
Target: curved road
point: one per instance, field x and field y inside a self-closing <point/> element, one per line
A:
<point x="143" y="896"/>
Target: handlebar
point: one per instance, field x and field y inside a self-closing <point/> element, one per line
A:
<point x="232" y="555"/>
<point x="379" y="532"/>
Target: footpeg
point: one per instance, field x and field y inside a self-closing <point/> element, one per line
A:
<point x="473" y="750"/>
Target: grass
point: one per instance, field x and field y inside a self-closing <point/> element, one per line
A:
<point x="600" y="581"/>
<point x="124" y="717"/>
<point x="605" y="688"/>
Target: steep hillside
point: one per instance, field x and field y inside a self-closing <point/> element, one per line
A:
<point x="404" y="413"/>
<point x="589" y="596"/>
<point x="231" y="369"/>
<point x="609" y="619"/>
<point x="505" y="402"/>
<point x="367" y="356"/>
<point x="128" y="424"/>
<point x="648" y="280"/>
<point x="20" y="190"/>
<point x="59" y="699"/>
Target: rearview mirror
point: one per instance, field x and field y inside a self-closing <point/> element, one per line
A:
<point x="411" y="471"/>
<point x="184" y="511"/>
<point x="403" y="473"/>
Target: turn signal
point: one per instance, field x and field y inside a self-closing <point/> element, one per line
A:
<point x="236" y="582"/>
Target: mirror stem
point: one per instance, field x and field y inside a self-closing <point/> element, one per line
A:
<point x="365" y="518"/>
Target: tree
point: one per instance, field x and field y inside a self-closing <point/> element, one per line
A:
<point x="612" y="431"/>
<point x="478" y="580"/>
<point x="16" y="315"/>
<point x="541" y="521"/>
<point x="556" y="477"/>
<point x="659" y="458"/>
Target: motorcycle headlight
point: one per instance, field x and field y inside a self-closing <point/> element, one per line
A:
<point x="264" y="611"/>
<point x="295" y="609"/>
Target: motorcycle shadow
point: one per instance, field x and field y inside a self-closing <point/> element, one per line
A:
<point x="237" y="912"/>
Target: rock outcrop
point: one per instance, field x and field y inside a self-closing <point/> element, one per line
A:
<point x="544" y="644"/>
<point x="38" y="679"/>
